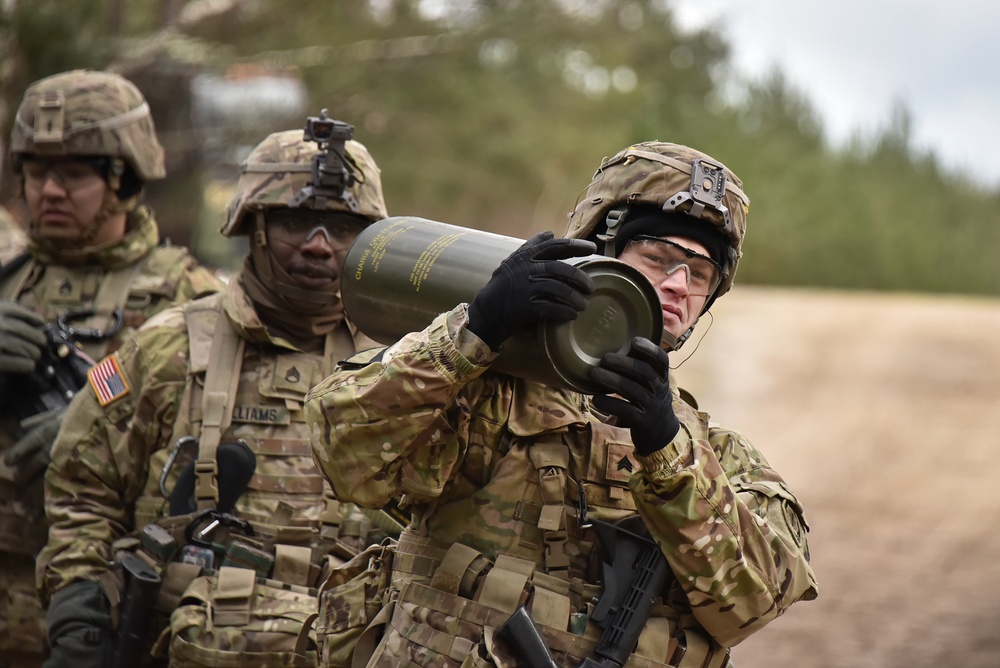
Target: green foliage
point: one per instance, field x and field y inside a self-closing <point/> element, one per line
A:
<point x="494" y="114"/>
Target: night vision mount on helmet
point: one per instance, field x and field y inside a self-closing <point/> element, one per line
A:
<point x="319" y="168"/>
<point x="332" y="174"/>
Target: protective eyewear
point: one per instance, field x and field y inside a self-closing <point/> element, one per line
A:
<point x="296" y="227"/>
<point x="658" y="258"/>
<point x="67" y="174"/>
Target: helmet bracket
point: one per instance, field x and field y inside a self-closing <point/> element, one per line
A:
<point x="50" y="118"/>
<point x="613" y="222"/>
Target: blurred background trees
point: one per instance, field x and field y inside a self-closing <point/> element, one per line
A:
<point x="494" y="114"/>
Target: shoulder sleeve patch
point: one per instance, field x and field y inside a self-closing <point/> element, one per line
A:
<point x="107" y="380"/>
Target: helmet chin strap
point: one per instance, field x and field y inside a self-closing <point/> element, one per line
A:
<point x="670" y="342"/>
<point x="111" y="206"/>
<point x="275" y="277"/>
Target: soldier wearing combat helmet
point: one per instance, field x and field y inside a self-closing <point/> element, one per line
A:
<point x="83" y="144"/>
<point x="201" y="437"/>
<point x="510" y="482"/>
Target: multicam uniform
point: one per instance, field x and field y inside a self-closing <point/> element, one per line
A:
<point x="116" y="453"/>
<point x="7" y="224"/>
<point x="216" y="372"/>
<point x="483" y="459"/>
<point x="136" y="275"/>
<point x="158" y="276"/>
<point x="498" y="472"/>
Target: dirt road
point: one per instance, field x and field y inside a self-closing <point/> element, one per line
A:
<point x="883" y="414"/>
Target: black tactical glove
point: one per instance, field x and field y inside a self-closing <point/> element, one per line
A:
<point x="22" y="337"/>
<point x="532" y="285"/>
<point x="646" y="405"/>
<point x="31" y="454"/>
<point x="79" y="627"/>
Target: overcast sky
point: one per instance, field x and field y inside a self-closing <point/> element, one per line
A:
<point x="853" y="59"/>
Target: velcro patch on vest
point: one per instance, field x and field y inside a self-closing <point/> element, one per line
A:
<point x="107" y="380"/>
<point x="621" y="462"/>
<point x="284" y="447"/>
<point x="261" y="415"/>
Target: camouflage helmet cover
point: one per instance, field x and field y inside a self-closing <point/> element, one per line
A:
<point x="660" y="174"/>
<point x="281" y="166"/>
<point x="88" y="113"/>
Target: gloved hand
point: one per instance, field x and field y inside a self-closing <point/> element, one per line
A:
<point x="79" y="627"/>
<point x="646" y="405"/>
<point x="532" y="285"/>
<point x="22" y="337"/>
<point x="31" y="454"/>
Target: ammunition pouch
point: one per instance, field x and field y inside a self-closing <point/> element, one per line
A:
<point x="351" y="598"/>
<point x="232" y="619"/>
<point x="211" y="562"/>
<point x="451" y="600"/>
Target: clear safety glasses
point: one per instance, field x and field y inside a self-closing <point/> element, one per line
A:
<point x="297" y="226"/>
<point x="67" y="174"/>
<point x="658" y="258"/>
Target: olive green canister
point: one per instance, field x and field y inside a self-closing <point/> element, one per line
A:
<point x="401" y="272"/>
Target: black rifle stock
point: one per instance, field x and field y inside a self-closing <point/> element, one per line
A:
<point x="633" y="580"/>
<point x="142" y="585"/>
<point x="521" y="635"/>
<point x="636" y="576"/>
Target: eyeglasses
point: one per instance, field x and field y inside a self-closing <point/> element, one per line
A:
<point x="297" y="226"/>
<point x="68" y="174"/>
<point x="658" y="258"/>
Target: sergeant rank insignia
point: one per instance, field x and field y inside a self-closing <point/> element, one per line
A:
<point x="107" y="380"/>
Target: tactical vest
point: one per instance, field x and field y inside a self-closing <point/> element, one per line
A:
<point x="448" y="597"/>
<point x="138" y="289"/>
<point x="132" y="289"/>
<point x="259" y="404"/>
<point x="262" y="592"/>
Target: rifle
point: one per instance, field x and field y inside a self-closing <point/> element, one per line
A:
<point x="142" y="585"/>
<point x="632" y="581"/>
<point x="62" y="369"/>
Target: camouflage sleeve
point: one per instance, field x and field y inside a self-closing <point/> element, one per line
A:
<point x="196" y="281"/>
<point x="193" y="280"/>
<point x="396" y="426"/>
<point x="100" y="459"/>
<point x="736" y="542"/>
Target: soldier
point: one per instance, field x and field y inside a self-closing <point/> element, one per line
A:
<point x="507" y="480"/>
<point x="83" y="144"/>
<point x="193" y="433"/>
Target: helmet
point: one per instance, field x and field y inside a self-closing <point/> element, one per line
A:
<point x="280" y="168"/>
<point x="88" y="113"/>
<point x="672" y="177"/>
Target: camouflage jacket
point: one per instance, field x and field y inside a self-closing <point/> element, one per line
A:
<point x="7" y="223"/>
<point x="104" y="480"/>
<point x="428" y="421"/>
<point x="165" y="275"/>
<point x="51" y="284"/>
<point x="160" y="277"/>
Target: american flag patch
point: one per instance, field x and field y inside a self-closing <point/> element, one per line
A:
<point x="107" y="380"/>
